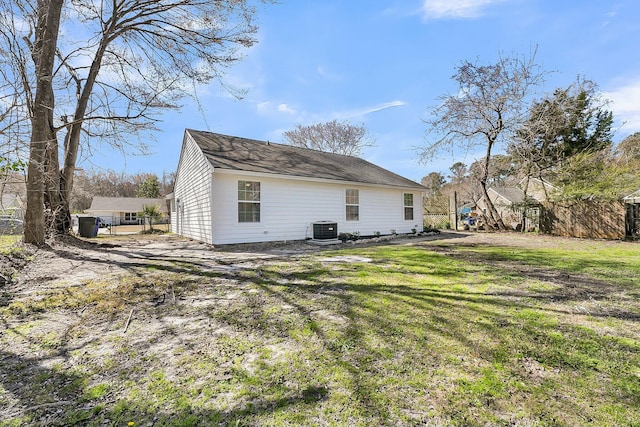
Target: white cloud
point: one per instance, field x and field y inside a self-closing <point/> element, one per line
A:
<point x="361" y="112"/>
<point x="455" y="9"/>
<point x="304" y="116"/>
<point x="625" y="106"/>
<point x="284" y="108"/>
<point x="270" y="108"/>
<point x="263" y="107"/>
<point x="384" y="106"/>
<point x="609" y="16"/>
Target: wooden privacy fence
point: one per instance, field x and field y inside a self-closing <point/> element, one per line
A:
<point x="588" y="219"/>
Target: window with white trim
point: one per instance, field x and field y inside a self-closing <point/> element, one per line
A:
<point x="408" y="206"/>
<point x="130" y="216"/>
<point x="248" y="201"/>
<point x="352" y="202"/>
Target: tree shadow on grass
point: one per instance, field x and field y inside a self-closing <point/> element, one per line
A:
<point x="488" y="324"/>
<point x="401" y="317"/>
<point x="35" y="394"/>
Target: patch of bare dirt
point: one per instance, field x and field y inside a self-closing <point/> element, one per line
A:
<point x="163" y="289"/>
<point x="73" y="262"/>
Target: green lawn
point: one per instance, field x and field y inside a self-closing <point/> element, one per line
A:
<point x="9" y="242"/>
<point x="438" y="333"/>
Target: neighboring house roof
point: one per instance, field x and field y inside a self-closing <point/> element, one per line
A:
<point x="125" y="204"/>
<point x="242" y="154"/>
<point x="511" y="194"/>
<point x="537" y="188"/>
<point x="633" y="197"/>
<point x="540" y="181"/>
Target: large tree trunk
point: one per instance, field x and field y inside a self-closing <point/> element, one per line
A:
<point x="62" y="215"/>
<point x="524" y="223"/>
<point x="43" y="135"/>
<point x="493" y="217"/>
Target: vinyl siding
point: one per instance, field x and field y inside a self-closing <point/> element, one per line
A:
<point x="289" y="207"/>
<point x="191" y="207"/>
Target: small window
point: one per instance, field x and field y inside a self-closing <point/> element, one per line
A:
<point x="408" y="206"/>
<point x="352" y="204"/>
<point x="129" y="216"/>
<point x="248" y="201"/>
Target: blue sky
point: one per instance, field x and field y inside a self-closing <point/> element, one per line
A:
<point x="384" y="63"/>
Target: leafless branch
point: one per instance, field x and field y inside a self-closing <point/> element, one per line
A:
<point x="334" y="137"/>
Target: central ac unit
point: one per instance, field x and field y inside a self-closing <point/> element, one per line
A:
<point x="325" y="230"/>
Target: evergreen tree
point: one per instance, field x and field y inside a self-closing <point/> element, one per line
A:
<point x="150" y="188"/>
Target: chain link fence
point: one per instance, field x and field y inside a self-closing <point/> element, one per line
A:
<point x="11" y="219"/>
<point x="114" y="225"/>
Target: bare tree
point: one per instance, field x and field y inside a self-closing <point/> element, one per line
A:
<point x="43" y="149"/>
<point x="628" y="151"/>
<point x="109" y="183"/>
<point x="167" y="183"/>
<point x="116" y="67"/>
<point x="486" y="110"/>
<point x="433" y="182"/>
<point x="14" y="124"/>
<point x="333" y="137"/>
<point x="459" y="172"/>
<point x="9" y="100"/>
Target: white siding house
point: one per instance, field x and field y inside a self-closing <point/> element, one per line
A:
<point x="125" y="210"/>
<point x="236" y="190"/>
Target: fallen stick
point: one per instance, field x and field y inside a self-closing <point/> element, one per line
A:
<point x="44" y="405"/>
<point x="126" y="325"/>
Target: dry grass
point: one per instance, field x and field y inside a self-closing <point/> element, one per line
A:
<point x="437" y="333"/>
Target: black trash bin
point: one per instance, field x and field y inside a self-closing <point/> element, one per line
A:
<point x="88" y="226"/>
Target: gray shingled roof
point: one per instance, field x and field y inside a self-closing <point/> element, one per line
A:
<point x="242" y="154"/>
<point x="125" y="204"/>
<point x="513" y="194"/>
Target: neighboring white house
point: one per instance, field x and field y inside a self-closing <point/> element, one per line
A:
<point x="539" y="189"/>
<point x="505" y="200"/>
<point x="236" y="190"/>
<point x="124" y="210"/>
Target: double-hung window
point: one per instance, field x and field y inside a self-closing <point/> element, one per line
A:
<point x="352" y="200"/>
<point x="408" y="206"/>
<point x="248" y="201"/>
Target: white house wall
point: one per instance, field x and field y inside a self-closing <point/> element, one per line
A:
<point x="289" y="207"/>
<point x="191" y="206"/>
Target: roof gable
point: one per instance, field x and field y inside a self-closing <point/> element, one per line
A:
<point x="242" y="154"/>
